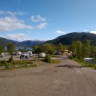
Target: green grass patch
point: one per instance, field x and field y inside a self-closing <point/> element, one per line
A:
<point x="86" y="64"/>
<point x="55" y="61"/>
<point x="17" y="64"/>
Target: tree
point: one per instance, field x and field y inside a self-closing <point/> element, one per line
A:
<point x="86" y="49"/>
<point x="79" y="50"/>
<point x="1" y="49"/>
<point x="93" y="51"/>
<point x="48" y="48"/>
<point x="76" y="48"/>
<point x="37" y="49"/>
<point x="61" y="47"/>
<point x="11" y="48"/>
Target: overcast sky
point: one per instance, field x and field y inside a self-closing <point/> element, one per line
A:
<point x="45" y="19"/>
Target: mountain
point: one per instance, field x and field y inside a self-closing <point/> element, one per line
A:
<point x="5" y="42"/>
<point x="27" y="43"/>
<point x="64" y="39"/>
<point x="74" y="36"/>
<point x="30" y="43"/>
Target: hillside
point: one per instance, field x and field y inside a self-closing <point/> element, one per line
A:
<point x="5" y="42"/>
<point x="30" y="43"/>
<point x="27" y="43"/>
<point x="71" y="37"/>
<point x="64" y="39"/>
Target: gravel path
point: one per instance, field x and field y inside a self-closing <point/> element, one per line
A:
<point x="65" y="79"/>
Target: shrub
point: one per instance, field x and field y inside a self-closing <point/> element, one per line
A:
<point x="48" y="58"/>
<point x="10" y="59"/>
<point x="6" y="64"/>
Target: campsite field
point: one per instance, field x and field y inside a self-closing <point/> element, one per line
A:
<point x="65" y="79"/>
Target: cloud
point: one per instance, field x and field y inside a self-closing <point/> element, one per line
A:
<point x="12" y="23"/>
<point x="42" y="25"/>
<point x="60" y="32"/>
<point x="17" y="37"/>
<point x="94" y="32"/>
<point x="13" y="14"/>
<point x="37" y="18"/>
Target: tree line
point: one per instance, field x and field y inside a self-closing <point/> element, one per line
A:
<point x="49" y="48"/>
<point x="81" y="50"/>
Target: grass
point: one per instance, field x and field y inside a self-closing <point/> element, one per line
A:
<point x="17" y="64"/>
<point x="55" y="61"/>
<point x="81" y="62"/>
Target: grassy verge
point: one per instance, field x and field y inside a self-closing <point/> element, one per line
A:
<point x="86" y="64"/>
<point x="17" y="64"/>
<point x="55" y="61"/>
<point x="52" y="61"/>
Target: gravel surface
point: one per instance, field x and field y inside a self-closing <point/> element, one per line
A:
<point x="65" y="79"/>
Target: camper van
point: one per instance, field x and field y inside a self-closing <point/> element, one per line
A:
<point x="41" y="55"/>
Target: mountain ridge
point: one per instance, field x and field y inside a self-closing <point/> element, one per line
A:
<point x="66" y="39"/>
<point x="69" y="38"/>
<point x="26" y="43"/>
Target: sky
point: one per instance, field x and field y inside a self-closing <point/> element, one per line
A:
<point x="45" y="19"/>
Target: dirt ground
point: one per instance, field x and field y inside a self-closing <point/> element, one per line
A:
<point x="65" y="79"/>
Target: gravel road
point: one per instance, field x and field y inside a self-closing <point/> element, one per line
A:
<point x="65" y="79"/>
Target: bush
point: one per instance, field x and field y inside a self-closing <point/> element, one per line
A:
<point x="10" y="59"/>
<point x="6" y="64"/>
<point x="48" y="58"/>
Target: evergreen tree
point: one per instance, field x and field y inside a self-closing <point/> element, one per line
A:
<point x="77" y="49"/>
<point x="11" y="48"/>
<point x="86" y="49"/>
<point x="93" y="52"/>
<point x="61" y="47"/>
